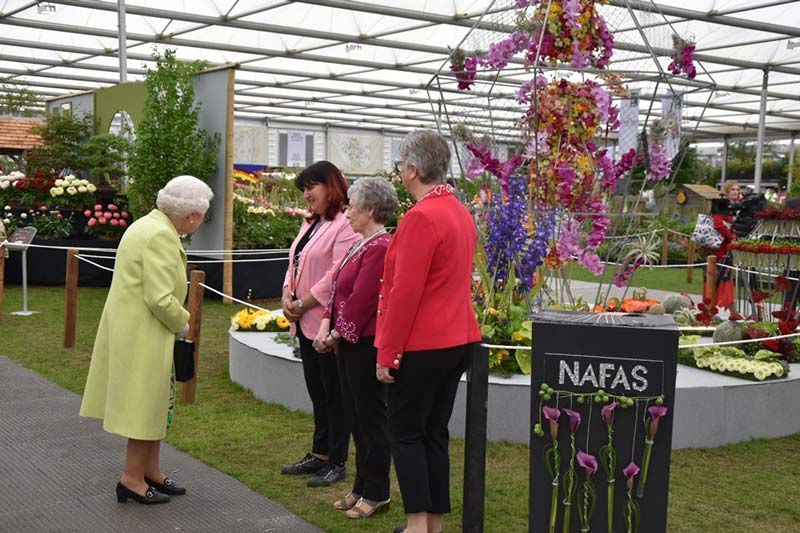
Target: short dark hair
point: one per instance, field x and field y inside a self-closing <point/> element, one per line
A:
<point x="328" y="174"/>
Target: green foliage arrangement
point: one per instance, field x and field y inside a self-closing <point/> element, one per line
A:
<point x="63" y="136"/>
<point x="104" y="156"/>
<point x="169" y="142"/>
<point x="18" y="101"/>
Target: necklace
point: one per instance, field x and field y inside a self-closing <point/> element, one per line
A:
<point x="380" y="231"/>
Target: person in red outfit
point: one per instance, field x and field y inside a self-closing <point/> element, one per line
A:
<point x="426" y="328"/>
<point x="323" y="240"/>
<point x="723" y="222"/>
<point x="352" y="311"/>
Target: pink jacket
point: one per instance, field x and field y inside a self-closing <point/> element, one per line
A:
<point x="318" y="262"/>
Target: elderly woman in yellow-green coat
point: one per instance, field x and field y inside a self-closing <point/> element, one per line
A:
<point x="130" y="376"/>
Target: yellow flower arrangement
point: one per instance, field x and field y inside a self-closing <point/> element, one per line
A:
<point x="251" y="320"/>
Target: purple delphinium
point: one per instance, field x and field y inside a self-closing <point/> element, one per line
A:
<point x="506" y="228"/>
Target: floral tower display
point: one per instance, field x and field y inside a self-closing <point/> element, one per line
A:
<point x="540" y="134"/>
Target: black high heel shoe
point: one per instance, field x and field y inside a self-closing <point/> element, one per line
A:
<point x="168" y="487"/>
<point x="151" y="496"/>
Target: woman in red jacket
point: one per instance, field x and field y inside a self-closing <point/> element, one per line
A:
<point x="426" y="328"/>
<point x="352" y="311"/>
<point x="723" y="223"/>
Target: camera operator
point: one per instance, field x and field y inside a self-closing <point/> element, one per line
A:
<point x="745" y="213"/>
<point x="723" y="219"/>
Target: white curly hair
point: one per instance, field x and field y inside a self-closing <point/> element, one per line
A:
<point x="184" y="195"/>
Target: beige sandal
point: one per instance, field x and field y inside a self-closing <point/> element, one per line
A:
<point x="363" y="510"/>
<point x="347" y="503"/>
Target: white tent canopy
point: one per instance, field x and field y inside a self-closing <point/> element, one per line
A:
<point x="368" y="64"/>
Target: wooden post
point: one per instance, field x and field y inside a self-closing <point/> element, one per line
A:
<point x="227" y="266"/>
<point x="71" y="298"/>
<point x="690" y="269"/>
<point x="2" y="277"/>
<point x="711" y="280"/>
<point x="665" y="246"/>
<point x="195" y="322"/>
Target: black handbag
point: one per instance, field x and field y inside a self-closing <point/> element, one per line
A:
<point x="183" y="357"/>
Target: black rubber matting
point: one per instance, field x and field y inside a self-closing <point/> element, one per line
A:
<point x="58" y="472"/>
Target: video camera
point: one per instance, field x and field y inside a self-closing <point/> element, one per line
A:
<point x="743" y="213"/>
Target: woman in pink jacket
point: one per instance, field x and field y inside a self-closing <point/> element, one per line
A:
<point x="322" y="242"/>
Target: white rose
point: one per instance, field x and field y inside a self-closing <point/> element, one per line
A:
<point x="23" y="216"/>
<point x="59" y="191"/>
<point x="59" y="183"/>
<point x="6" y="221"/>
<point x="91" y="188"/>
<point x="81" y="188"/>
<point x="7" y="208"/>
<point x="84" y="182"/>
<point x="69" y="177"/>
<point x="72" y="190"/>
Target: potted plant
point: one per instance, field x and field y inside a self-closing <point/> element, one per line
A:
<point x="105" y="155"/>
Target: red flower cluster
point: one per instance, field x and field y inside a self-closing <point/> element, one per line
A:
<point x="38" y="182"/>
<point x="763" y="247"/>
<point x="777" y="213"/>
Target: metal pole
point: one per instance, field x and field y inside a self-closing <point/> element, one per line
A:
<point x="791" y="164"/>
<point x="123" y="45"/>
<point x="25" y="280"/>
<point x="724" y="177"/>
<point x="475" y="441"/>
<point x="762" y="119"/>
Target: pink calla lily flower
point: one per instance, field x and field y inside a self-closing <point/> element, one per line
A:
<point x="608" y="413"/>
<point x="631" y="471"/>
<point x="552" y="414"/>
<point x="656" y="412"/>
<point x="574" y="419"/>
<point x="588" y="462"/>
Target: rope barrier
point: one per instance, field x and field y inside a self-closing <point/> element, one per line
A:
<point x="98" y="256"/>
<point x="248" y="251"/>
<point x="745" y="341"/>
<point x="95" y="264"/>
<point x="88" y="249"/>
<point x="204" y="261"/>
<point x="726" y="343"/>
<point x="248" y="304"/>
<point x="756" y="272"/>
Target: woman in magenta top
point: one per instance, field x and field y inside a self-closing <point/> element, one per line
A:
<point x="349" y="329"/>
<point x="323" y="240"/>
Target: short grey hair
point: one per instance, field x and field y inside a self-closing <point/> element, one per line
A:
<point x="376" y="194"/>
<point x="183" y="196"/>
<point x="428" y="152"/>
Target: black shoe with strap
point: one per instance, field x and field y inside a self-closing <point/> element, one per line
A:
<point x="168" y="487"/>
<point x="327" y="476"/>
<point x="151" y="495"/>
<point x="307" y="465"/>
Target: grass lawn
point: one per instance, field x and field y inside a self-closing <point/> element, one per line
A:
<point x="665" y="279"/>
<point x="746" y="487"/>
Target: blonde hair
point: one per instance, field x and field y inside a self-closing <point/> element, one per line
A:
<point x="725" y="190"/>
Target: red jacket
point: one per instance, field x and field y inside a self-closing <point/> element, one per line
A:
<point x="354" y="294"/>
<point x="723" y="224"/>
<point x="425" y="301"/>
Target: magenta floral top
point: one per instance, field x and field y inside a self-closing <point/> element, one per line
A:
<point x="353" y="306"/>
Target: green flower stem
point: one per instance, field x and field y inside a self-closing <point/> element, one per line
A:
<point x="648" y="450"/>
<point x="608" y="460"/>
<point x="569" y="486"/>
<point x="632" y="511"/>
<point x="553" y="463"/>
<point x="588" y="498"/>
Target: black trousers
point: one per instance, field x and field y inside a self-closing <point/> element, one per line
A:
<point x="331" y="434"/>
<point x="420" y="404"/>
<point x="365" y="406"/>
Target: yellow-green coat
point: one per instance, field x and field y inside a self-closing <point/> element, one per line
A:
<point x="129" y="377"/>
